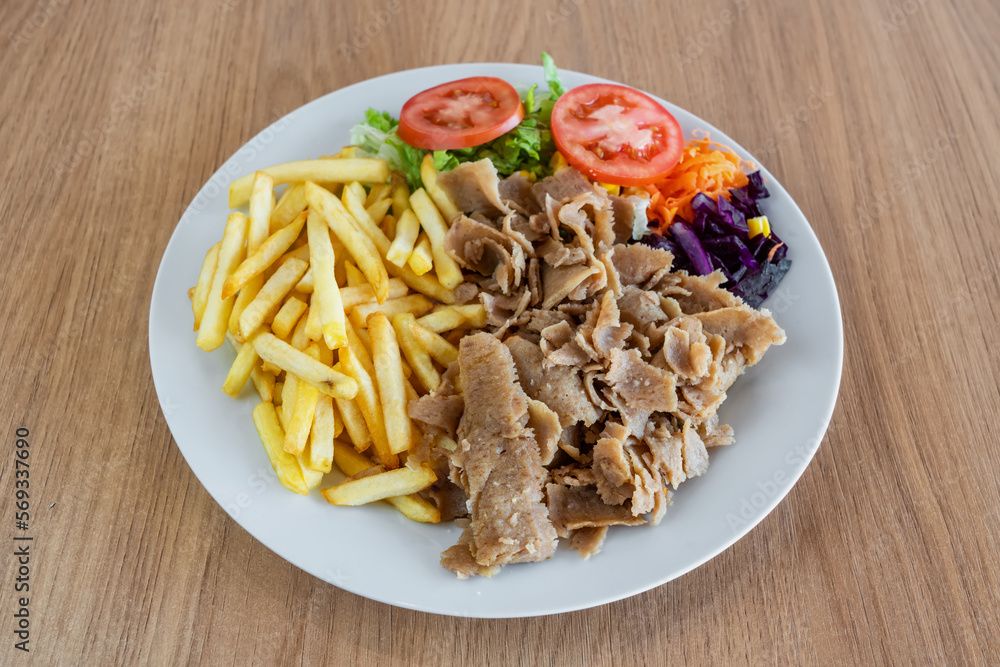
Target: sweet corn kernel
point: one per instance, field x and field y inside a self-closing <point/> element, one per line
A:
<point x="530" y="175"/>
<point x="758" y="226"/>
<point x="611" y="188"/>
<point x="558" y="162"/>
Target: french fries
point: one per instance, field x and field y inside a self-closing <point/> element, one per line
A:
<point x="417" y="304"/>
<point x="355" y="296"/>
<point x="215" y="319"/>
<point x="416" y="355"/>
<point x="399" y="482"/>
<point x="441" y="350"/>
<point x="326" y="293"/>
<point x="369" y="403"/>
<point x="289" y="313"/>
<point x="412" y="506"/>
<point x="407" y="230"/>
<point x="201" y="289"/>
<point x="454" y="317"/>
<point x="269" y="251"/>
<point x="320" y="452"/>
<point x="290" y="206"/>
<point x="361" y="248"/>
<point x="300" y="364"/>
<point x="368" y="170"/>
<point x="320" y="293"/>
<point x="389" y="374"/>
<point x="271" y="294"/>
<point x="261" y="206"/>
<point x="421" y="259"/>
<point x="240" y="371"/>
<point x="429" y="175"/>
<point x="300" y="420"/>
<point x="434" y="225"/>
<point x="286" y="467"/>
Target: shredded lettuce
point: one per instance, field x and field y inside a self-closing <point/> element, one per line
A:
<point x="528" y="147"/>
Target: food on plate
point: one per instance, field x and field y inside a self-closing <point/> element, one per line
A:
<point x="519" y="312"/>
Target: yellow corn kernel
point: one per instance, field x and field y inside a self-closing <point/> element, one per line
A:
<point x="611" y="188"/>
<point x="530" y="175"/>
<point x="759" y="226"/>
<point x="558" y="162"/>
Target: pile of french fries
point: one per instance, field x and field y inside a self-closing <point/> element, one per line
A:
<point x="338" y="298"/>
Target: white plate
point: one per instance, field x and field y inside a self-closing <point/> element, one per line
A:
<point x="780" y="410"/>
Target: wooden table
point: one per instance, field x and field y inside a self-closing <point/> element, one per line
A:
<point x="879" y="118"/>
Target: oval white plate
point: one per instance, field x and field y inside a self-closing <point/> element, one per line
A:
<point x="780" y="410"/>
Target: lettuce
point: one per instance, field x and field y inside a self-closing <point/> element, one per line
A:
<point x="528" y="147"/>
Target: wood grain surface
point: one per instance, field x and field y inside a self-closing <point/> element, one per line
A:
<point x="878" y="116"/>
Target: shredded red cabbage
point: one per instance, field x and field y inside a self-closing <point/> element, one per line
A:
<point x="719" y="239"/>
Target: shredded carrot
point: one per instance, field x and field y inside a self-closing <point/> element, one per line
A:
<point x="705" y="166"/>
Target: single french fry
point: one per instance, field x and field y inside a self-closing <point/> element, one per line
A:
<point x="399" y="482"/>
<point x="369" y="403"/>
<point x="286" y="467"/>
<point x="240" y="371"/>
<point x="204" y="285"/>
<point x="214" y="321"/>
<point x="301" y="420"/>
<point x="299" y="363"/>
<point x="407" y="230"/>
<point x="416" y="355"/>
<point x="421" y="260"/>
<point x="377" y="192"/>
<point x="400" y="194"/>
<point x="355" y="296"/>
<point x="366" y="170"/>
<point x="271" y="294"/>
<point x="448" y="271"/>
<point x="390" y="379"/>
<point x="261" y="206"/>
<point x="447" y="318"/>
<point x="360" y="247"/>
<point x="354" y="423"/>
<point x="326" y="295"/>
<point x="412" y="506"/>
<point x="320" y="451"/>
<point x="441" y="350"/>
<point x="292" y="203"/>
<point x="267" y="254"/>
<point x="429" y="175"/>
<point x="417" y="304"/>
<point x="287" y="316"/>
<point x="440" y="321"/>
<point x="263" y="382"/>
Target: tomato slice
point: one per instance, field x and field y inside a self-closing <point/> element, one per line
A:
<point x="615" y="134"/>
<point x="460" y="114"/>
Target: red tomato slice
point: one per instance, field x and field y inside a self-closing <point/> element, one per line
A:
<point x="615" y="134"/>
<point x="460" y="114"/>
